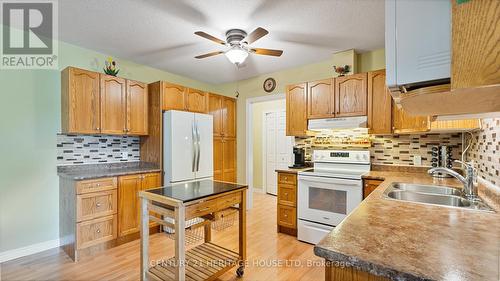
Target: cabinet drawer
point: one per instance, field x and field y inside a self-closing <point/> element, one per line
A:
<point x="287" y="195"/>
<point x="201" y="208"/>
<point x="95" y="185"/>
<point x="287" y="216"/>
<point x="287" y="178"/>
<point x="228" y="200"/>
<point x="94" y="205"/>
<point x="93" y="232"/>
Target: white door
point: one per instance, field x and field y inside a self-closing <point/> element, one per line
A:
<point x="178" y="146"/>
<point x="204" y="144"/>
<point x="277" y="148"/>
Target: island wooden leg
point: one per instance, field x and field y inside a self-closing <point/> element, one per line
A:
<point x="243" y="226"/>
<point x="180" y="248"/>
<point x="208" y="232"/>
<point x="144" y="238"/>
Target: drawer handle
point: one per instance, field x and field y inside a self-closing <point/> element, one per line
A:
<point x="98" y="205"/>
<point x="98" y="230"/>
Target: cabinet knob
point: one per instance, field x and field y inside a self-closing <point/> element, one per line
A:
<point x="97" y="129"/>
<point x="98" y="184"/>
<point x="286" y="193"/>
<point x="98" y="205"/>
<point x="286" y="216"/>
<point x="98" y="230"/>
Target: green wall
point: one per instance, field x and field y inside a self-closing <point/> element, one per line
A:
<point x="30" y="119"/>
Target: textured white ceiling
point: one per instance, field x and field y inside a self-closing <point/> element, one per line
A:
<point x="159" y="33"/>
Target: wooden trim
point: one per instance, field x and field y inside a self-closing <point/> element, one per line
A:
<point x="333" y="273"/>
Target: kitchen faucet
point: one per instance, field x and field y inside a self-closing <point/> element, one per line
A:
<point x="470" y="189"/>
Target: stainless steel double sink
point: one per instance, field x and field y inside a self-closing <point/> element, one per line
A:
<point x="434" y="195"/>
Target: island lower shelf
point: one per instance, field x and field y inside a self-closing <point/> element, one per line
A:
<point x="203" y="262"/>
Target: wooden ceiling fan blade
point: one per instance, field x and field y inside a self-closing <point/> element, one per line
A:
<point x="209" y="55"/>
<point x="255" y="35"/>
<point x="210" y="37"/>
<point x="267" y="52"/>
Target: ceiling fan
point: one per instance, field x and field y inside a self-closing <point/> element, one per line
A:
<point x="238" y="42"/>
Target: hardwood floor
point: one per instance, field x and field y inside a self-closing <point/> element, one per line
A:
<point x="271" y="256"/>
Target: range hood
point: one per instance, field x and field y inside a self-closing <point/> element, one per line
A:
<point x="337" y="123"/>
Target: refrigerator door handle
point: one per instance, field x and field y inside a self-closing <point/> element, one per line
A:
<point x="199" y="147"/>
<point x="193" y="132"/>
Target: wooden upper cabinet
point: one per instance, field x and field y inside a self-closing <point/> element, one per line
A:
<point x="215" y="109"/>
<point x="196" y="101"/>
<point x="113" y="105"/>
<point x="229" y="117"/>
<point x="379" y="104"/>
<point x="296" y="110"/>
<point x="404" y="123"/>
<point x="128" y="202"/>
<point x="80" y="102"/>
<point x="320" y="99"/>
<point x="351" y="95"/>
<point x="174" y="97"/>
<point x="137" y="108"/>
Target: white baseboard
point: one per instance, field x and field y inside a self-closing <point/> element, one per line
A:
<point x="28" y="250"/>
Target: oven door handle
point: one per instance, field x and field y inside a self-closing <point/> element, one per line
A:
<point x="330" y="180"/>
<point x="326" y="229"/>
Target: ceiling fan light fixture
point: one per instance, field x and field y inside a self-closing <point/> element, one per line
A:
<point x="236" y="55"/>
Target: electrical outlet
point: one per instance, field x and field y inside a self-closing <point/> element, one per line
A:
<point x="125" y="155"/>
<point x="417" y="160"/>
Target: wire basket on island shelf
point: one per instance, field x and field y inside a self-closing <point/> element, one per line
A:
<point x="224" y="219"/>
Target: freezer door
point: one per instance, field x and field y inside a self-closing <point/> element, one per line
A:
<point x="204" y="134"/>
<point x="179" y="149"/>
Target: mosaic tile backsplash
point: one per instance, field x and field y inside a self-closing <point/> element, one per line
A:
<point x="485" y="150"/>
<point x="388" y="150"/>
<point x="86" y="149"/>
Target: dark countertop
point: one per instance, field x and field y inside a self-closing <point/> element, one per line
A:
<point x="93" y="171"/>
<point x="192" y="191"/>
<point x="410" y="241"/>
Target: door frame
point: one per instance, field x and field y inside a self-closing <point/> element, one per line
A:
<point x="249" y="140"/>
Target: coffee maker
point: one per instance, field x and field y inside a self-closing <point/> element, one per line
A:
<point x="299" y="158"/>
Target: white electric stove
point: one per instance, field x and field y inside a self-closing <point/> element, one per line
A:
<point x="330" y="191"/>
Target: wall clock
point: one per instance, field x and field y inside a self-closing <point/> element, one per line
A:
<point x="269" y="85"/>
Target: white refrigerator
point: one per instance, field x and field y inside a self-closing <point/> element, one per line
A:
<point x="187" y="146"/>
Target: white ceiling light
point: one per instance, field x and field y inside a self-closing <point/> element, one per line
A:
<point x="236" y="55"/>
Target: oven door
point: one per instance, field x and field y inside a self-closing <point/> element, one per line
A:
<point x="327" y="200"/>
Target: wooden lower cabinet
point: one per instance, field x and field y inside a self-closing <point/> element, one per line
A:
<point x="287" y="203"/>
<point x="98" y="214"/>
<point x="337" y="273"/>
<point x="369" y="186"/>
<point x="128" y="198"/>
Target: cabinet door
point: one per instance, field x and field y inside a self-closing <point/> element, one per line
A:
<point x="369" y="186"/>
<point x="229" y="117"/>
<point x="218" y="158"/>
<point x="151" y="180"/>
<point x="113" y="105"/>
<point x="229" y="160"/>
<point x="403" y="123"/>
<point x="351" y="95"/>
<point x="196" y="101"/>
<point x="379" y="104"/>
<point x="215" y="109"/>
<point x="137" y="108"/>
<point x="80" y="101"/>
<point x="128" y="204"/>
<point x="320" y="99"/>
<point x="296" y="110"/>
<point x="173" y="97"/>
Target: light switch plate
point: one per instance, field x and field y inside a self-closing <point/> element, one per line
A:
<point x="417" y="160"/>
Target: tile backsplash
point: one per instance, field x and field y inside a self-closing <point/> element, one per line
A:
<point x="388" y="150"/>
<point x="90" y="149"/>
<point x="485" y="150"/>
